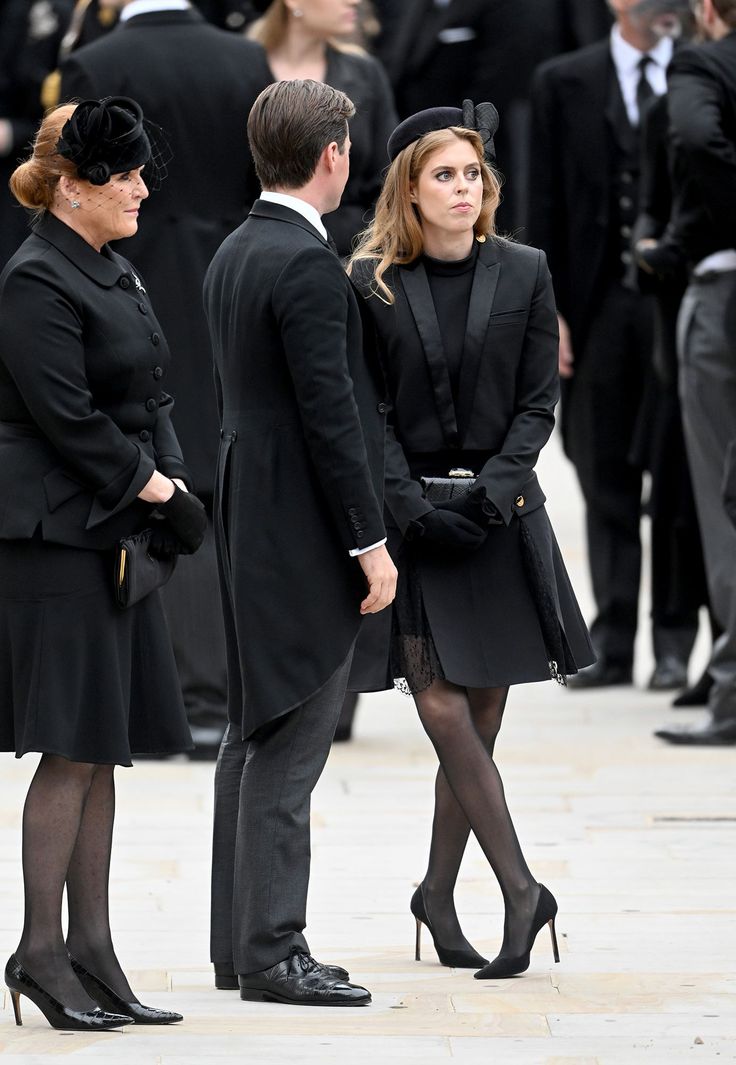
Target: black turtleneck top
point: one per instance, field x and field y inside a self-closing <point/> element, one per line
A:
<point x="450" y="283"/>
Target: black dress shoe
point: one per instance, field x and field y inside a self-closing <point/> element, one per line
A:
<point x="670" y="674"/>
<point x="227" y="980"/>
<point x="715" y="734"/>
<point x="697" y="694"/>
<point x="20" y="982"/>
<point x="301" y="981"/>
<point x="601" y="674"/>
<point x="105" y="997"/>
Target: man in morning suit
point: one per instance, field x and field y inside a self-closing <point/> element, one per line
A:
<point x="583" y="195"/>
<point x="300" y="533"/>
<point x="702" y="231"/>
<point x="198" y="84"/>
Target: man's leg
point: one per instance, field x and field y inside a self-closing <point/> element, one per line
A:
<point x="284" y="761"/>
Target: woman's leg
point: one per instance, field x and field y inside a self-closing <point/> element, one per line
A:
<point x="471" y="773"/>
<point x="450" y="826"/>
<point x="51" y="820"/>
<point x="89" y="939"/>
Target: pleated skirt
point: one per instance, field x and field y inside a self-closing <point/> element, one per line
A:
<point x="79" y="677"/>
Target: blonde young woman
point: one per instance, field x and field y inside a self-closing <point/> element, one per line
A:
<point x="305" y="39"/>
<point x="467" y="334"/>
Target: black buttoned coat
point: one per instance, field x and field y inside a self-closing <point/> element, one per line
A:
<point x="84" y="420"/>
<point x="300" y="470"/>
<point x="506" y="396"/>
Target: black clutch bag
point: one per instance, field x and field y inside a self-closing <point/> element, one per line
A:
<point x="137" y="571"/>
<point x="443" y="489"/>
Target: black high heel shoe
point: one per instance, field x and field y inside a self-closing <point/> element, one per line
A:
<point x="107" y="998"/>
<point x="502" y="967"/>
<point x="19" y="982"/>
<point x="456" y="959"/>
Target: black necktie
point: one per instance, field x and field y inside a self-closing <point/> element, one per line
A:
<point x="644" y="90"/>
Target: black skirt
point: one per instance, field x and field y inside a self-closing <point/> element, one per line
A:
<point x="78" y="676"/>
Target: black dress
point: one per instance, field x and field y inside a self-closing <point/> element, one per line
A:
<point x="506" y="613"/>
<point x="84" y="422"/>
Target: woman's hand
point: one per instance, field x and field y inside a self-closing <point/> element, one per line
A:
<point x="566" y="357"/>
<point x="158" y="489"/>
<point x="446" y="532"/>
<point x="187" y="517"/>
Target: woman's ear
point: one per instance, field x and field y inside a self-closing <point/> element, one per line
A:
<point x="69" y="188"/>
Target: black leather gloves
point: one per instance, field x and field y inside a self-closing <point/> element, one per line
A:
<point x="475" y="506"/>
<point x="443" y="531"/>
<point x="187" y="517"/>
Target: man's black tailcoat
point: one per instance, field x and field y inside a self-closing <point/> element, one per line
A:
<point x="300" y="472"/>
<point x="198" y="83"/>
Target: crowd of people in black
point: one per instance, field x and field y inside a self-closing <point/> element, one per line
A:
<point x="586" y="243"/>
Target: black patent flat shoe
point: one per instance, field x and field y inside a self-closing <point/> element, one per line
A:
<point x="503" y="966"/>
<point x="301" y="981"/>
<point x="107" y="998"/>
<point x="226" y="979"/>
<point x="19" y="982"/>
<point x="455" y="959"/>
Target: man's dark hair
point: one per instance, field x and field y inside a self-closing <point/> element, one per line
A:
<point x="727" y="11"/>
<point x="289" y="127"/>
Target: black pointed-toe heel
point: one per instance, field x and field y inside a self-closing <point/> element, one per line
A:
<point x="455" y="959"/>
<point x="502" y="967"/>
<point x="107" y="998"/>
<point x="19" y="982"/>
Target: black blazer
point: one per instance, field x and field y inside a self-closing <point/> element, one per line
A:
<point x="198" y="83"/>
<point x="84" y="421"/>
<point x="570" y="187"/>
<point x="508" y="383"/>
<point x="300" y="473"/>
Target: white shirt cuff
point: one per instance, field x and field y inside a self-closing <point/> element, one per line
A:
<point x="362" y="550"/>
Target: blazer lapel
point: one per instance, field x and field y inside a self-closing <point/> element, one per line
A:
<point x="616" y="114"/>
<point x="482" y="295"/>
<point x="419" y="297"/>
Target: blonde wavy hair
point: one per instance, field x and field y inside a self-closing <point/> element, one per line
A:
<point x="394" y="238"/>
<point x="271" y="29"/>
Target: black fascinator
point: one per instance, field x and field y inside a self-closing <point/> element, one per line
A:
<point x="483" y="118"/>
<point x="110" y="136"/>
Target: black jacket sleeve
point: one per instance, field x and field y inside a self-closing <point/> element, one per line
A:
<point x="310" y="301"/>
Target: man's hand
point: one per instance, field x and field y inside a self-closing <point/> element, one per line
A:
<point x="381" y="575"/>
<point x="566" y="357"/>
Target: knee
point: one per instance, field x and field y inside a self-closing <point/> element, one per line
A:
<point x="439" y="713"/>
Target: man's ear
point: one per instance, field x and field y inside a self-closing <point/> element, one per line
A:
<point x="330" y="156"/>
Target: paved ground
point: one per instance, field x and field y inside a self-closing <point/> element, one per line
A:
<point x="637" y="840"/>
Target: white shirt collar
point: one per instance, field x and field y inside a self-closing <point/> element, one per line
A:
<point x="306" y="210"/>
<point x="626" y="58"/>
<point x="145" y="7"/>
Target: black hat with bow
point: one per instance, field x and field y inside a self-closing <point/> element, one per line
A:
<point x="483" y="118"/>
<point x="105" y="137"/>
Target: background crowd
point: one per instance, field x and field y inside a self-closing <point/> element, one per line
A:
<point x="631" y="200"/>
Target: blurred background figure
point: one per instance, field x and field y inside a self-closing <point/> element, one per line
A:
<point x="585" y="153"/>
<point x="198" y="84"/>
<point x="438" y="52"/>
<point x="307" y="39"/>
<point x="30" y="34"/>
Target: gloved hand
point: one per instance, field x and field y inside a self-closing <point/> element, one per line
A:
<point x="164" y="543"/>
<point x="187" y="517"/>
<point x="444" y="532"/>
<point x="475" y="506"/>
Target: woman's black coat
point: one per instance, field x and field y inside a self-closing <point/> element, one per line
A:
<point x="84" y="420"/>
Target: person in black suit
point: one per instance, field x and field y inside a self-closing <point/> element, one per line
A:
<point x="467" y="335"/>
<point x="583" y="184"/>
<point x="702" y="232"/>
<point x="202" y="101"/>
<point x="300" y="479"/>
<point x="87" y="451"/>
<point x="303" y="40"/>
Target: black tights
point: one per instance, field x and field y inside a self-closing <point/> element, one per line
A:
<point x="462" y="724"/>
<point x="67" y="839"/>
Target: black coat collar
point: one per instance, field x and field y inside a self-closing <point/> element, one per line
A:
<point x="278" y="213"/>
<point x="103" y="267"/>
<point x="454" y="419"/>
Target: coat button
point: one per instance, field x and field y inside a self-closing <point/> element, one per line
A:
<point x="625" y="203"/>
<point x="155" y="339"/>
<point x="158" y="373"/>
<point x="234" y="435"/>
<point x="144" y="435"/>
<point x="382" y="408"/>
<point x="359" y="534"/>
<point x="352" y="511"/>
<point x="151" y="404"/>
<point x="142" y="308"/>
<point x="124" y="281"/>
<point x="520" y="501"/>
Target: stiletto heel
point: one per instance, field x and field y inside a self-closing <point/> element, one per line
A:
<point x="15" y="999"/>
<point x="456" y="959"/>
<point x="502" y="966"/>
<point x="106" y="997"/>
<point x="19" y="982"/>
